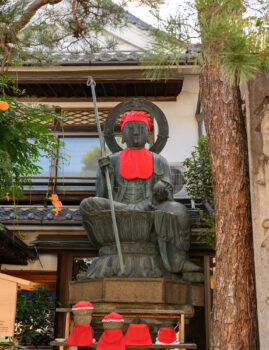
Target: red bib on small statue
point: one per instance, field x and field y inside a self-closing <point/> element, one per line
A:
<point x="167" y="335"/>
<point x="81" y="335"/>
<point x="138" y="334"/>
<point x="136" y="163"/>
<point x="111" y="339"/>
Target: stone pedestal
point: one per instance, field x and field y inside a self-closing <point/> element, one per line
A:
<point x="137" y="291"/>
<point x="114" y="294"/>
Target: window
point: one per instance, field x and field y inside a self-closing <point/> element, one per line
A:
<point x="84" y="153"/>
<point x="82" y="165"/>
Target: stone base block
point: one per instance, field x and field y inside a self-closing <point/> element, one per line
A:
<point x="137" y="291"/>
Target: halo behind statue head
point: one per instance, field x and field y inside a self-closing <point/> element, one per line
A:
<point x="140" y="105"/>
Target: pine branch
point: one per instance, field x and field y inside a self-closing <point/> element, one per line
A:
<point x="6" y="53"/>
<point x="30" y="11"/>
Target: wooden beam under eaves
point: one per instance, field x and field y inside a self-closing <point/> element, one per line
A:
<point x="50" y="87"/>
<point x="104" y="89"/>
<point x="72" y="89"/>
<point x="83" y="90"/>
<point x="100" y="99"/>
<point x="115" y="90"/>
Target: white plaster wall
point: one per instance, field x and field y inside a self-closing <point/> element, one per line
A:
<point x="130" y="37"/>
<point x="183" y="129"/>
<point x="46" y="262"/>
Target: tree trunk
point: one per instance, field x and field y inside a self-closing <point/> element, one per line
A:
<point x="234" y="320"/>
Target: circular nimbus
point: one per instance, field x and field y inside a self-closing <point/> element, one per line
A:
<point x="140" y="105"/>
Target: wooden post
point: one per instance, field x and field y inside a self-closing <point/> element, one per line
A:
<point x="64" y="276"/>
<point x="257" y="116"/>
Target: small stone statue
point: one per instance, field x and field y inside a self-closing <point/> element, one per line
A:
<point x="154" y="229"/>
<point x="81" y="334"/>
<point x="112" y="337"/>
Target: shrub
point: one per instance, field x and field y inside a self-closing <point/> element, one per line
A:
<point x="34" y="316"/>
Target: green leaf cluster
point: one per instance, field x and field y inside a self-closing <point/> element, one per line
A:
<point x="231" y="35"/>
<point x="25" y="136"/>
<point x="198" y="180"/>
<point x="34" y="315"/>
<point x="232" y="40"/>
<point x="197" y="177"/>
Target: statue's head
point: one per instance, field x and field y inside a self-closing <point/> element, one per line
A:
<point x="135" y="126"/>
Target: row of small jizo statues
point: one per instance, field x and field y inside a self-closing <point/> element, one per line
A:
<point x="112" y="337"/>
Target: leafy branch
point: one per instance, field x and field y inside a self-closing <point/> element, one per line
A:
<point x="198" y="180"/>
<point x="25" y="136"/>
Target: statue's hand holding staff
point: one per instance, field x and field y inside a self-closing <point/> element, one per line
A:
<point x="104" y="162"/>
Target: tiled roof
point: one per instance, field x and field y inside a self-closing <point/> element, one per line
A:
<point x="118" y="57"/>
<point x="138" y="22"/>
<point x="41" y="215"/>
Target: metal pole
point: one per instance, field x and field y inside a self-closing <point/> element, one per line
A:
<point x="92" y="84"/>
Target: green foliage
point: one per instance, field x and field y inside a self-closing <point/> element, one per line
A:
<point x="207" y="233"/>
<point x="34" y="316"/>
<point x="232" y="35"/>
<point x="24" y="138"/>
<point x="10" y="343"/>
<point x="197" y="176"/>
<point x="232" y="40"/>
<point x="198" y="181"/>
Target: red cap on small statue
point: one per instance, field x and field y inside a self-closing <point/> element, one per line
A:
<point x="135" y="116"/>
<point x="82" y="305"/>
<point x="113" y="317"/>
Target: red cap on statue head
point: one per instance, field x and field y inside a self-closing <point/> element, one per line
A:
<point x="135" y="116"/>
<point x="82" y="305"/>
<point x="113" y="317"/>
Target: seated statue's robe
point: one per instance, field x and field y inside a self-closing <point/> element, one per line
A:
<point x="170" y="220"/>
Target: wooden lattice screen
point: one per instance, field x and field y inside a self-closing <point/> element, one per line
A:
<point x="85" y="117"/>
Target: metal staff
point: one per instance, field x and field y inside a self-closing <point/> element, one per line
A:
<point x="92" y="84"/>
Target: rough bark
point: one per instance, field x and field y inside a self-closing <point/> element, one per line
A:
<point x="234" y="320"/>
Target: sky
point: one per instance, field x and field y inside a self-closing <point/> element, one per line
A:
<point x="143" y="12"/>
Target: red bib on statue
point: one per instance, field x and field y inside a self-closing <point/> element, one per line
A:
<point x="167" y="335"/>
<point x="136" y="163"/>
<point x="111" y="339"/>
<point x="138" y="334"/>
<point x="81" y="335"/>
